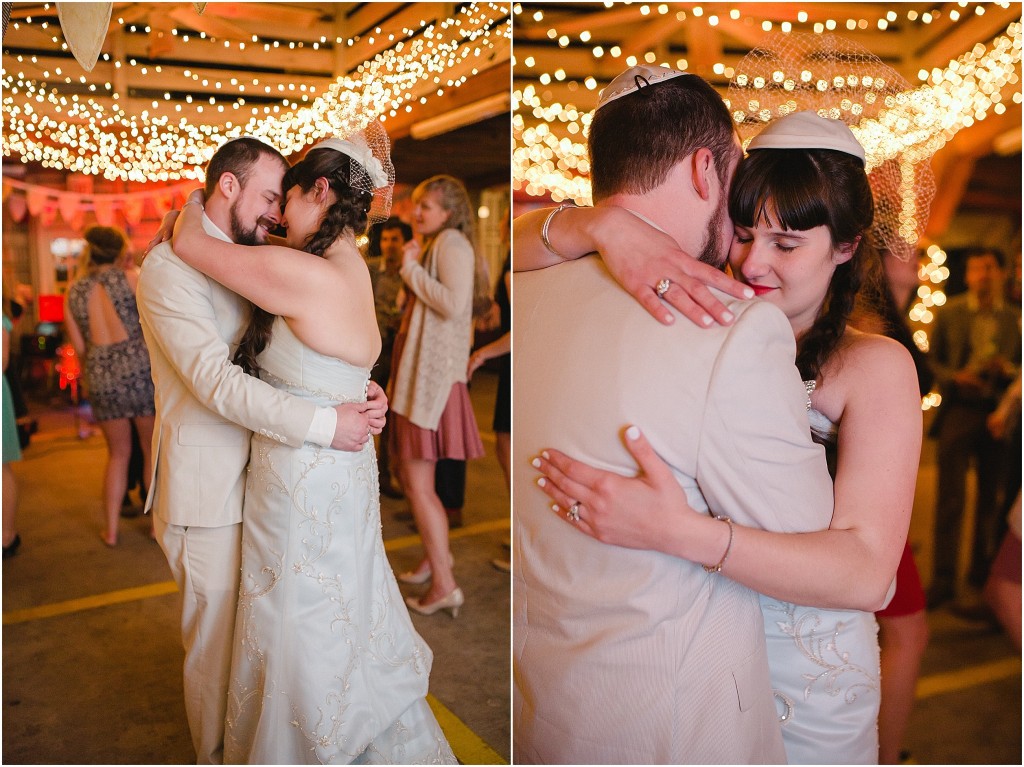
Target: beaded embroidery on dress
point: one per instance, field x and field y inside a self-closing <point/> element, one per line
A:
<point x="327" y="667"/>
<point x="824" y="667"/>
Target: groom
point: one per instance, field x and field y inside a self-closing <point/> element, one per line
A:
<point x="206" y="409"/>
<point x="623" y="655"/>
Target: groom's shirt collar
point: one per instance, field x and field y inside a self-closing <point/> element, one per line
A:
<point x="646" y="220"/>
<point x="214" y="231"/>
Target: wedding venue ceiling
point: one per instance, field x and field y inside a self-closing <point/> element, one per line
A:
<point x="172" y="80"/>
<point x="961" y="59"/>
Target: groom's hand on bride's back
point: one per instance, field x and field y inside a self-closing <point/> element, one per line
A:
<point x="357" y="421"/>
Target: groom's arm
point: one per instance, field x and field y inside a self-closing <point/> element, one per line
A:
<point x="177" y="315"/>
<point x="757" y="463"/>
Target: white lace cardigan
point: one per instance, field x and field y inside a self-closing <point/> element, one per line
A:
<point x="436" y="350"/>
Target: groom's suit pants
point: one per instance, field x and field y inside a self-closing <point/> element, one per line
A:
<point x="206" y="563"/>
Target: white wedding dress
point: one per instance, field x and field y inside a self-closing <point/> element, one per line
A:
<point x="824" y="670"/>
<point x="327" y="666"/>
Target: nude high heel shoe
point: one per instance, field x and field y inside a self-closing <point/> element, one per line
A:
<point x="450" y="602"/>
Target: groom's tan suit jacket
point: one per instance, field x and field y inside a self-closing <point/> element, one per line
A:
<point x="206" y="407"/>
<point x="628" y="656"/>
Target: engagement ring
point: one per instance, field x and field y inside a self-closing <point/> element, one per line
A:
<point x="662" y="287"/>
<point x="573" y="514"/>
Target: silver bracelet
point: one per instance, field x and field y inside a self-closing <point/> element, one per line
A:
<point x="728" y="547"/>
<point x="547" y="225"/>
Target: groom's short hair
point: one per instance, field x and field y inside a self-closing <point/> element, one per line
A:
<point x="238" y="157"/>
<point x="636" y="139"/>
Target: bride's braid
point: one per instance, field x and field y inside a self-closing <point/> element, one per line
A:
<point x="347" y="214"/>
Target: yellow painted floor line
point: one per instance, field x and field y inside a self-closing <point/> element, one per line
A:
<point x="467" y="745"/>
<point x="168" y="587"/>
<point x="938" y="684"/>
<point x="394" y="544"/>
<point x="89" y="603"/>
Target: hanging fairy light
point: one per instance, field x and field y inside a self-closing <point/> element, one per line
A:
<point x="83" y="135"/>
<point x="913" y="125"/>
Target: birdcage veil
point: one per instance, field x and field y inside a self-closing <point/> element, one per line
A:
<point x="372" y="170"/>
<point x="841" y="80"/>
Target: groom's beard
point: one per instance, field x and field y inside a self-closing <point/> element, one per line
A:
<point x="240" y="234"/>
<point x="712" y="252"/>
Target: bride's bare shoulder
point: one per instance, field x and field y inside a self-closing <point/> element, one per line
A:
<point x="874" y="358"/>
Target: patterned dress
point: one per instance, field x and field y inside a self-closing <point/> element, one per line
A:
<point x="824" y="668"/>
<point x="120" y="380"/>
<point x="327" y="667"/>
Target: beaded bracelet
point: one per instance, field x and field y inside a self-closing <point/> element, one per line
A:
<point x="728" y="547"/>
<point x="547" y="224"/>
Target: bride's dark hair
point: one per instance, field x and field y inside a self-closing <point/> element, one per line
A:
<point x="347" y="214"/>
<point x="804" y="189"/>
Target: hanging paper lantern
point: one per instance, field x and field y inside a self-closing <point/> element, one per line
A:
<point x="85" y="27"/>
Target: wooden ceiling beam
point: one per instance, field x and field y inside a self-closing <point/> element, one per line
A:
<point x="965" y="35"/>
<point x="489" y="82"/>
<point x="573" y="22"/>
<point x="294" y="15"/>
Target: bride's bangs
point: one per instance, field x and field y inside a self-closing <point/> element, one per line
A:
<point x="779" y="188"/>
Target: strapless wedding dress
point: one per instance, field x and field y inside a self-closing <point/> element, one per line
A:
<point x="824" y="670"/>
<point x="327" y="666"/>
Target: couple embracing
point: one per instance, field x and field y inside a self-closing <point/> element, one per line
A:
<point x="298" y="646"/>
<point x="715" y="604"/>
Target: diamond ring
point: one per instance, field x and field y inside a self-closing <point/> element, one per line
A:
<point x="573" y="514"/>
<point x="662" y="287"/>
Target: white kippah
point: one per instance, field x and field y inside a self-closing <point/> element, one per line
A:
<point x="806" y="130"/>
<point x="634" y="79"/>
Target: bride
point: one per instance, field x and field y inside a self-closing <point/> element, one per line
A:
<point x="802" y="210"/>
<point x="327" y="667"/>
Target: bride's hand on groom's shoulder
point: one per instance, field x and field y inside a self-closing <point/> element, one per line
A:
<point x="622" y="235"/>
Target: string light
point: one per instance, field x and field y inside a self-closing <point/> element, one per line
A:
<point x="88" y="136"/>
<point x="913" y="125"/>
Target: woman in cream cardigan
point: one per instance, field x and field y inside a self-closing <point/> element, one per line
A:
<point x="432" y="414"/>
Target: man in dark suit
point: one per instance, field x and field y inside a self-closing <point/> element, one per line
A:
<point x="975" y="351"/>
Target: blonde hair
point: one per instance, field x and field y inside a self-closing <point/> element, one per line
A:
<point x="454" y="199"/>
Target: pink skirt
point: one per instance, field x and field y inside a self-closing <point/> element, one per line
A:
<point x="456" y="435"/>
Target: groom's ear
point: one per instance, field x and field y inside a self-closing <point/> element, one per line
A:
<point x="704" y="175"/>
<point x="228" y="184"/>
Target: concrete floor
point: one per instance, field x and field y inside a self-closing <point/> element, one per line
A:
<point x="91" y="636"/>
<point x="92" y="653"/>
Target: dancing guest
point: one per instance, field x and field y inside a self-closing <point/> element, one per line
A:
<point x="975" y="351"/>
<point x="432" y="415"/>
<point x="11" y="452"/>
<point x="103" y="325"/>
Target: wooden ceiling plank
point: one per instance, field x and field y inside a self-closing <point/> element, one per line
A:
<point x="572" y="23"/>
<point x="275" y="13"/>
<point x="651" y="34"/>
<point x="211" y="25"/>
<point x="370" y="15"/>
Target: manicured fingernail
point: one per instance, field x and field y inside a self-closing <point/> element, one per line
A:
<point x="542" y="482"/>
<point x="535" y="463"/>
<point x="632" y="433"/>
<point x="554" y="507"/>
<point x="546" y="455"/>
<point x="668" y="319"/>
<point x="706" y="319"/>
<point x="727" y="316"/>
<point x="748" y="292"/>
